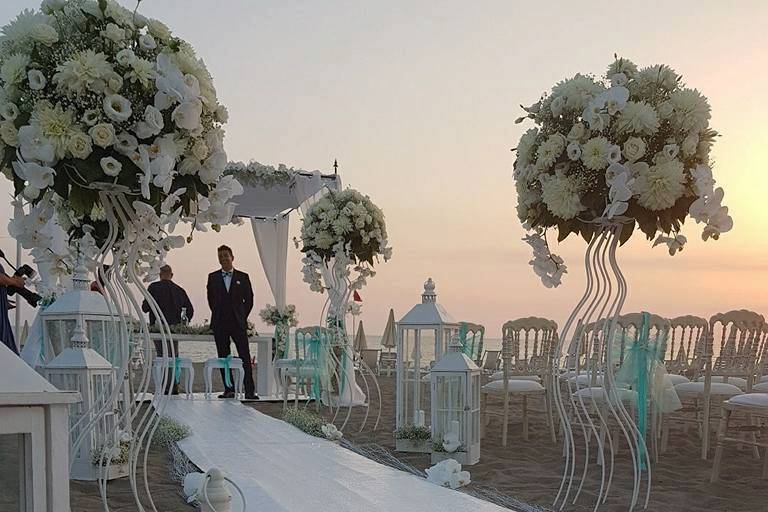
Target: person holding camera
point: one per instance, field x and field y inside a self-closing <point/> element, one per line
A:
<point x="6" y="331"/>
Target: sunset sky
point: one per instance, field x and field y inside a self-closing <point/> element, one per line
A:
<point x="417" y="101"/>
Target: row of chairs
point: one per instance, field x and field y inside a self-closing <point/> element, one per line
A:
<point x="733" y="378"/>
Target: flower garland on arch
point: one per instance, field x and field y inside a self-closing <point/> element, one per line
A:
<point x="96" y="97"/>
<point x="631" y="147"/>
<point x="256" y="174"/>
<point x="270" y="315"/>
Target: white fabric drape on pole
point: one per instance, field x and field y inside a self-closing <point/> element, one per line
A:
<point x="271" y="237"/>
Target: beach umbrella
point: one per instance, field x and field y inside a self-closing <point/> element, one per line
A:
<point x="360" y="341"/>
<point x="389" y="339"/>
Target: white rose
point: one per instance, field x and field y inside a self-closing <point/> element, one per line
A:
<point x="147" y="42"/>
<point x="577" y="132"/>
<point x="690" y="144"/>
<point x="200" y="149"/>
<point x="113" y="33"/>
<point x="9" y="111"/>
<point x="634" y="148"/>
<point x="103" y="134"/>
<point x="79" y="145"/>
<point x="557" y="106"/>
<point x="36" y="79"/>
<point x="159" y="30"/>
<point x="44" y="33"/>
<point x="671" y="150"/>
<point x="154" y="119"/>
<point x="139" y="20"/>
<point x="187" y="115"/>
<point x="614" y="153"/>
<point x="126" y="144"/>
<point x="117" y="107"/>
<point x="115" y="82"/>
<point x="110" y="166"/>
<point x="125" y="57"/>
<point x="9" y="133"/>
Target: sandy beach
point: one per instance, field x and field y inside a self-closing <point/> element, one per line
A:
<point x="529" y="471"/>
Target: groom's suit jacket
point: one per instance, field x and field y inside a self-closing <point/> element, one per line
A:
<point x="233" y="305"/>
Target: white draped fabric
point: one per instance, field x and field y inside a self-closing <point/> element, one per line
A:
<point x="272" y="242"/>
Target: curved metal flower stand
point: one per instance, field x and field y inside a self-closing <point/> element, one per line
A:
<point x="118" y="283"/>
<point x="588" y="332"/>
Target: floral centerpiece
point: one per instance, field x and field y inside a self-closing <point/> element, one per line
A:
<point x="282" y="322"/>
<point x="631" y="147"/>
<point x="343" y="225"/>
<point x="96" y="97"/>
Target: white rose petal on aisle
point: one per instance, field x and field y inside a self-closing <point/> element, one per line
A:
<point x="638" y="143"/>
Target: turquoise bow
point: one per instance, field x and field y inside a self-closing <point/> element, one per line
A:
<point x="226" y="362"/>
<point x="465" y="347"/>
<point x="177" y="369"/>
<point x="634" y="373"/>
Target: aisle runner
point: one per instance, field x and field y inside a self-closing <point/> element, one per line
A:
<point x="279" y="468"/>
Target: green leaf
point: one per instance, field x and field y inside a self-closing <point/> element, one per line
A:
<point x="626" y="232"/>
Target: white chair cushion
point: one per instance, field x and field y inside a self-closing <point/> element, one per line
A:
<point x="586" y="380"/>
<point x="752" y="399"/>
<point x="500" y="376"/>
<point x="514" y="386"/>
<point x="760" y="388"/>
<point x="676" y="379"/>
<point x="717" y="388"/>
<point x="599" y="394"/>
<point x="736" y="381"/>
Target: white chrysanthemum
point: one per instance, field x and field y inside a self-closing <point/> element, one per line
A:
<point x="622" y="65"/>
<point x="561" y="196"/>
<point x="142" y="71"/>
<point x="655" y="77"/>
<point x="690" y="110"/>
<point x="577" y="92"/>
<point x="55" y="123"/>
<point x="660" y="186"/>
<point x="14" y="69"/>
<point x="525" y="147"/>
<point x="549" y="151"/>
<point x="594" y="153"/>
<point x="18" y="33"/>
<point x="526" y="197"/>
<point x="638" y="117"/>
<point x="86" y="70"/>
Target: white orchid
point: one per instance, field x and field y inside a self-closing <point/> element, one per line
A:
<point x="674" y="244"/>
<point x="34" y="146"/>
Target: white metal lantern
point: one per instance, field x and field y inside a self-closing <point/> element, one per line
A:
<point x="34" y="430"/>
<point x="422" y="336"/>
<point x="80" y="368"/>
<point x="455" y="400"/>
<point x="90" y="308"/>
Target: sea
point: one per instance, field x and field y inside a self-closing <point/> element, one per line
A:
<point x="200" y="351"/>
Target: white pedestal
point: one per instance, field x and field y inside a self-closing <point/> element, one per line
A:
<point x="265" y="385"/>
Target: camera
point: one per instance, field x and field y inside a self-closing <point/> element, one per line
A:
<point x="31" y="297"/>
<point x="27" y="272"/>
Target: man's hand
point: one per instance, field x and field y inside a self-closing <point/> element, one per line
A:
<point x="17" y="281"/>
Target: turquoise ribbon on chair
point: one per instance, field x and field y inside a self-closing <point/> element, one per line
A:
<point x="634" y="373"/>
<point x="177" y="369"/>
<point x="465" y="347"/>
<point x="226" y="362"/>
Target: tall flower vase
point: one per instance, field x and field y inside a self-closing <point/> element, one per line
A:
<point x="124" y="292"/>
<point x="585" y="348"/>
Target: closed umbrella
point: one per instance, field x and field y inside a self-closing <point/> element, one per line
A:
<point x="389" y="339"/>
<point x="361" y="342"/>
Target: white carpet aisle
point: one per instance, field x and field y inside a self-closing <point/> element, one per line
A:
<point x="279" y="468"/>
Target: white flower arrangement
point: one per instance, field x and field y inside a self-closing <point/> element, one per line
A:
<point x="632" y="147"/>
<point x="346" y="226"/>
<point x="448" y="473"/>
<point x="253" y="174"/>
<point x="93" y="96"/>
<point x="331" y="432"/>
<point x="270" y="315"/>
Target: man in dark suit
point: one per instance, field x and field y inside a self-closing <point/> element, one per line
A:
<point x="171" y="299"/>
<point x="230" y="298"/>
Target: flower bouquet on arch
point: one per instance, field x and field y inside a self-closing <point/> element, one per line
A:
<point x="282" y="322"/>
<point x="630" y="147"/>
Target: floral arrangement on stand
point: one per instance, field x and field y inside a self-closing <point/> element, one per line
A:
<point x="631" y="147"/>
<point x="282" y="322"/>
<point x="95" y="97"/>
<point x="256" y="174"/>
<point x="413" y="432"/>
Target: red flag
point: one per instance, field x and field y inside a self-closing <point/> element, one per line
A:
<point x="356" y="296"/>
